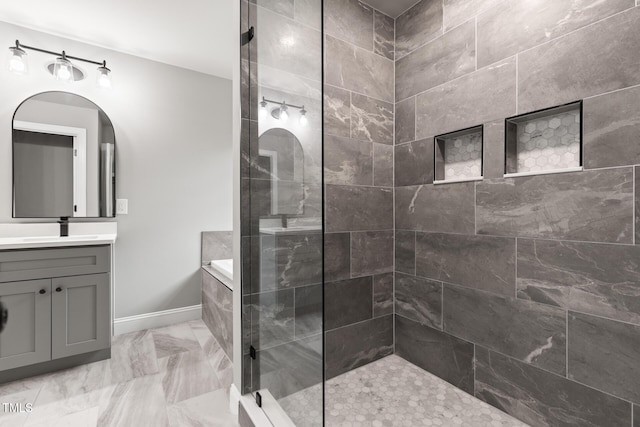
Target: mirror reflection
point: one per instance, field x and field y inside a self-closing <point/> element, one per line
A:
<point x="281" y="161"/>
<point x="63" y="158"/>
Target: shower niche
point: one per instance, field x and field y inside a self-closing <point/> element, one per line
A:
<point x="458" y="156"/>
<point x="544" y="141"/>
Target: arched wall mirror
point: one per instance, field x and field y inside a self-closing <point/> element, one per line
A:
<point x="281" y="162"/>
<point x="63" y="158"/>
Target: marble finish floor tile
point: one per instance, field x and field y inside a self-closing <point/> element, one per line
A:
<point x="174" y="339"/>
<point x="187" y="386"/>
<point x="210" y="409"/>
<point x="393" y="392"/>
<point x="133" y="355"/>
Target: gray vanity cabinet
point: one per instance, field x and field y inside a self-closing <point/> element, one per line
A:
<point x="26" y="339"/>
<point x="58" y="304"/>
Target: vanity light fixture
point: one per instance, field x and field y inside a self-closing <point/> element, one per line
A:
<point x="281" y="111"/>
<point x="62" y="68"/>
<point x="18" y="60"/>
<point x="263" y="110"/>
<point x="303" y="117"/>
<point x="284" y="114"/>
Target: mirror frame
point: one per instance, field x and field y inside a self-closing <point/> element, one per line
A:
<point x="13" y="184"/>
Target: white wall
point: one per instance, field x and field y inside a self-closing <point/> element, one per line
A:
<point x="174" y="163"/>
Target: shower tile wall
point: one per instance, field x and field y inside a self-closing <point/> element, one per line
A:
<point x="359" y="136"/>
<point x="536" y="278"/>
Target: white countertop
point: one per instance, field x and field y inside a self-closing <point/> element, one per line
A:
<point x="46" y="235"/>
<point x="55" y="241"/>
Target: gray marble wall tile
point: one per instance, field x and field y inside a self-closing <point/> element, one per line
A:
<point x="544" y="22"/>
<point x="458" y="11"/>
<point x="283" y="7"/>
<point x="289" y="368"/>
<point x="414" y="163"/>
<point x="637" y="204"/>
<point x="216" y="245"/>
<point x="448" y="357"/>
<point x="355" y="345"/>
<point x="591" y="278"/>
<point x="569" y="69"/>
<point x="449" y="56"/>
<point x="347" y="161"/>
<point x="337" y="256"/>
<point x="371" y="119"/>
<point x="358" y="70"/>
<point x="304" y="57"/>
<point x="308" y="311"/>
<point x="347" y="302"/>
<point x="543" y="399"/>
<point x="382" y="294"/>
<point x="590" y="206"/>
<point x="308" y="12"/>
<point x="337" y="111"/>
<point x="384" y="28"/>
<point x="299" y="259"/>
<point x="417" y="26"/>
<point x="419" y="300"/>
<point x="351" y="21"/>
<point x="371" y="252"/>
<point x="406" y="252"/>
<point x="612" y="129"/>
<point x="272" y="318"/>
<point x="406" y="120"/>
<point x="533" y="333"/>
<point x="358" y="208"/>
<point x="217" y="311"/>
<point x="437" y="208"/>
<point x="454" y="105"/>
<point x="478" y="262"/>
<point x="636" y="408"/>
<point x="382" y="165"/>
<point x="493" y="149"/>
<point x="604" y="354"/>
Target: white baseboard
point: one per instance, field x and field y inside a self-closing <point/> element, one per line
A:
<point x="158" y="319"/>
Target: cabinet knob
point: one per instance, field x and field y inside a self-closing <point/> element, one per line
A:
<point x="58" y="289"/>
<point x="42" y="292"/>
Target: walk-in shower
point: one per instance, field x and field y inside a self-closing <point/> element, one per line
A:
<point x="452" y="239"/>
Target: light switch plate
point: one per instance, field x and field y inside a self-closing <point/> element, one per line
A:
<point x="122" y="206"/>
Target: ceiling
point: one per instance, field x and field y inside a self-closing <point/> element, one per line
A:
<point x="393" y="8"/>
<point x="193" y="34"/>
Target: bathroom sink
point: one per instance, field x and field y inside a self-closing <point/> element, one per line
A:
<point x="57" y="238"/>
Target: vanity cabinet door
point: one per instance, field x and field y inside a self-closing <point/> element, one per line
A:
<point x="80" y="315"/>
<point x="26" y="337"/>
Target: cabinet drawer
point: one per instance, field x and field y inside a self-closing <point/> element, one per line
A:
<point x="47" y="263"/>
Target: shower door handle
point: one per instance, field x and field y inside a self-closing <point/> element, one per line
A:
<point x="248" y="36"/>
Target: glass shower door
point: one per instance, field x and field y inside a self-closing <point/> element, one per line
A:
<point x="282" y="208"/>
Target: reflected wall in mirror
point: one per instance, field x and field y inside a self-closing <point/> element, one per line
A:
<point x="63" y="158"/>
<point x="281" y="161"/>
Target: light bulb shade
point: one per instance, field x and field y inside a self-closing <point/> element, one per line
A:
<point x="284" y="114"/>
<point x="18" y="61"/>
<point x="263" y="110"/>
<point x="304" y="121"/>
<point x="63" y="70"/>
<point x="104" y="77"/>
